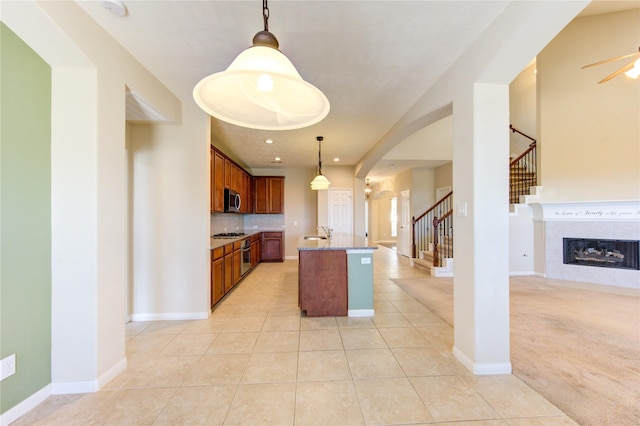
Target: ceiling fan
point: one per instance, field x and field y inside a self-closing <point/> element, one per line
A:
<point x="632" y="69"/>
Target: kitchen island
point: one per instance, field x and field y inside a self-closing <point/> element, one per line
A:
<point x="335" y="275"/>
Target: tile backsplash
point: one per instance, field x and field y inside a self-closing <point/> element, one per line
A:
<point x="230" y="222"/>
<point x="264" y="221"/>
<point x="226" y="222"/>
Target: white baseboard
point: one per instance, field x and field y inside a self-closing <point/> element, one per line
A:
<point x="521" y="273"/>
<point x="89" y="386"/>
<point x="171" y="316"/>
<point x="482" y="368"/>
<point x="66" y="388"/>
<point x="32" y="401"/>
<point x="111" y="373"/>
<point x="360" y="312"/>
<point x="25" y="406"/>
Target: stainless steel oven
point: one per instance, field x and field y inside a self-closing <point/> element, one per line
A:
<point x="245" y="248"/>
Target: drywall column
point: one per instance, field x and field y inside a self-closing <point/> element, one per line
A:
<point x="481" y="240"/>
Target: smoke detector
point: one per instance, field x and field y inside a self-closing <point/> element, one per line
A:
<point x="115" y="6"/>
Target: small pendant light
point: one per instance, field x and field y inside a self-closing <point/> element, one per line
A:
<point x="320" y="182"/>
<point x="261" y="89"/>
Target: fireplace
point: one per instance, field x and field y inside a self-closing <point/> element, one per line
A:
<point x="621" y="254"/>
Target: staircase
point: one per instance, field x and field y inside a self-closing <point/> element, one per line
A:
<point x="432" y="231"/>
<point x="522" y="171"/>
<point x="427" y="259"/>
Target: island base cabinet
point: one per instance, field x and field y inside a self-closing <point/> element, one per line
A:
<point x="322" y="282"/>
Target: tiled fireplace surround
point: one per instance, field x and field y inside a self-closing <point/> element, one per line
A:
<point x="597" y="220"/>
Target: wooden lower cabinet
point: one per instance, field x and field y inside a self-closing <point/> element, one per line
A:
<point x="255" y="252"/>
<point x="272" y="247"/>
<point x="226" y="263"/>
<point x="217" y="275"/>
<point x="237" y="266"/>
<point x="228" y="267"/>
<point x="322" y="282"/>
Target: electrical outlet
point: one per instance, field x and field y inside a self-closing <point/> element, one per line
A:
<point x="8" y="366"/>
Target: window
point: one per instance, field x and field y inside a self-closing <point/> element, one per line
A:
<point x="393" y="217"/>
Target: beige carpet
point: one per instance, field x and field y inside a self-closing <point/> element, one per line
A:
<point x="576" y="344"/>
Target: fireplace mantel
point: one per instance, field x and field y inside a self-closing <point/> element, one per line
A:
<point x="614" y="220"/>
<point x="587" y="211"/>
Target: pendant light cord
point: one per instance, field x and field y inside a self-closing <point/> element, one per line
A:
<point x="319" y="138"/>
<point x="265" y="14"/>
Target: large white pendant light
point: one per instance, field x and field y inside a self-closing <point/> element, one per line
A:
<point x="320" y="182"/>
<point x="261" y="89"/>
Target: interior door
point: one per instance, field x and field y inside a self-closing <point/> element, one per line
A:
<point x="341" y="210"/>
<point x="405" y="223"/>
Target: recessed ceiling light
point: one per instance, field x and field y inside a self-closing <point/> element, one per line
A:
<point x="336" y="159"/>
<point x="277" y="158"/>
<point x="268" y="141"/>
<point x="115" y="6"/>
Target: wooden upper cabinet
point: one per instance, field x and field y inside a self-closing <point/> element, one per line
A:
<point x="247" y="194"/>
<point x="218" y="182"/>
<point x="260" y="204"/>
<point x="212" y="182"/>
<point x="276" y="195"/>
<point x="236" y="178"/>
<point x="227" y="173"/>
<point x="269" y="195"/>
<point x="266" y="195"/>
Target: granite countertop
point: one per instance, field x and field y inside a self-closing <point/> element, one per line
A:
<point x="219" y="242"/>
<point x="337" y="242"/>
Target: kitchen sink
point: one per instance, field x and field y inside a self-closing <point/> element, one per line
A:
<point x="314" y="237"/>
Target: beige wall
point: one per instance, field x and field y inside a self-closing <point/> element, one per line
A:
<point x="383" y="224"/>
<point x="589" y="133"/>
<point x="423" y="190"/>
<point x="444" y="176"/>
<point x="300" y="205"/>
<point x="522" y="109"/>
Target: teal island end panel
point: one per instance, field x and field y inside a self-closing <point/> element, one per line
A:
<point x="360" y="287"/>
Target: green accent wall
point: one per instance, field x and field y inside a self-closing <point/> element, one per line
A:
<point x="25" y="218"/>
<point x="360" y="280"/>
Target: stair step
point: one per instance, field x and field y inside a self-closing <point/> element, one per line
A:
<point x="422" y="264"/>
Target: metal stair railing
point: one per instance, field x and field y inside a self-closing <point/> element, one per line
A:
<point x="522" y="171"/>
<point x="434" y="229"/>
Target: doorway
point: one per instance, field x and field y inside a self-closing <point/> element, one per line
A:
<point x="405" y="223"/>
<point x="341" y="210"/>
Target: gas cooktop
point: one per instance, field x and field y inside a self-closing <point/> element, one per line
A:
<point x="229" y="235"/>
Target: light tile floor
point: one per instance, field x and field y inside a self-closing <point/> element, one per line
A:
<point x="257" y="361"/>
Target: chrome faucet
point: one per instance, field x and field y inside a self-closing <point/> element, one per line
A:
<point x="327" y="231"/>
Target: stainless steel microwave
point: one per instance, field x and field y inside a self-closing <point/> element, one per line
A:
<point x="232" y="201"/>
